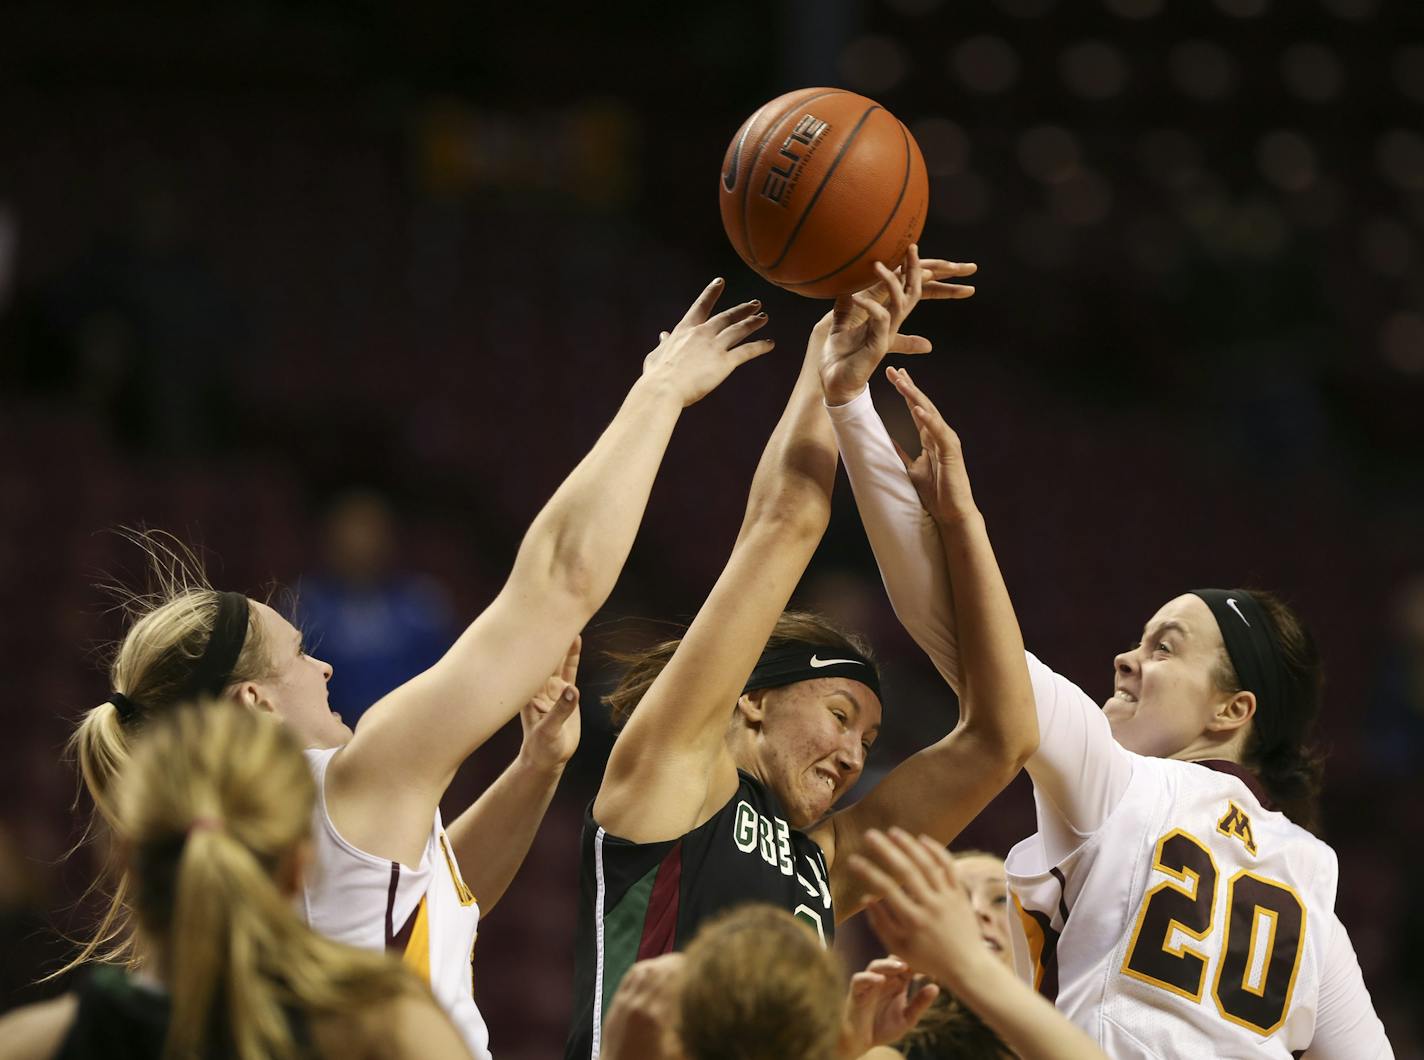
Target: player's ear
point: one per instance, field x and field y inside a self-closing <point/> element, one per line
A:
<point x="1234" y="712"/>
<point x="752" y="707"/>
<point x="249" y="695"/>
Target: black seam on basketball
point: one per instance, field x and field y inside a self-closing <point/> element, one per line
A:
<point x="751" y="258"/>
<point x="791" y="239"/>
<point x="875" y="238"/>
<point x="731" y="185"/>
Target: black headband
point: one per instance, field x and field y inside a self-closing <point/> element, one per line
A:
<point x="807" y="662"/>
<point x="214" y="669"/>
<point x="1251" y="646"/>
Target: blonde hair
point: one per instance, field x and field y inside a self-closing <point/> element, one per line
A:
<point x="214" y="804"/>
<point x="169" y="627"/>
<point x="759" y="984"/>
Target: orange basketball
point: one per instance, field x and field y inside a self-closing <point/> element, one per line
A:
<point x="820" y="184"/>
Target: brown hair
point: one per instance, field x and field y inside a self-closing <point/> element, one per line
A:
<point x="758" y="985"/>
<point x="169" y="626"/>
<point x="215" y="802"/>
<point x="950" y="1028"/>
<point x="792" y="627"/>
<point x="1290" y="764"/>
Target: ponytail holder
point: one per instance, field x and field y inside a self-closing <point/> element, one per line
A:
<point x="126" y="707"/>
<point x="205" y="824"/>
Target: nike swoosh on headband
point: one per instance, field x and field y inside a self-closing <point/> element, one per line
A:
<point x="818" y="663"/>
<point x="1231" y="603"/>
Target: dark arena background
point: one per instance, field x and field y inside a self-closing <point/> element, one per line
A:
<point x="340" y="292"/>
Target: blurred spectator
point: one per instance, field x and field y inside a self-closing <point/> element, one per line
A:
<point x="375" y="625"/>
<point x="27" y="943"/>
<point x="1396" y="729"/>
<point x="142" y="332"/>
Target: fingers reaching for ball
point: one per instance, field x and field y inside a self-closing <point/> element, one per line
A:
<point x="935" y="271"/>
<point x="702" y="307"/>
<point x="703" y="349"/>
<point x="938" y="472"/>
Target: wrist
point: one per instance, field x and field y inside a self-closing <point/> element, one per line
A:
<point x="539" y="764"/>
<point x="854" y="1042"/>
<point x="959" y="515"/>
<point x="658" y="388"/>
<point x="971" y="975"/>
<point x="839" y="396"/>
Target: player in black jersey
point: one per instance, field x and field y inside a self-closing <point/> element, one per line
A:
<point x="719" y="788"/>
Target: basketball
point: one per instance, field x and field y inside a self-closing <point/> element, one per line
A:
<point x="820" y="184"/>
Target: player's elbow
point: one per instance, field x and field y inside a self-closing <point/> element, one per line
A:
<point x="562" y="567"/>
<point x="1008" y="732"/>
<point x="790" y="514"/>
<point x="576" y="577"/>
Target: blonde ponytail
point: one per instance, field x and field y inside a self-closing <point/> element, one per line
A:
<point x="100" y="749"/>
<point x="170" y="625"/>
<point x="226" y="915"/>
<point x="217" y="805"/>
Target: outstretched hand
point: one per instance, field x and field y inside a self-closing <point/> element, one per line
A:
<point x="938" y="472"/>
<point x="883" y="1003"/>
<point x="865" y="326"/>
<point x="550" y="721"/>
<point x="924" y="913"/>
<point x="702" y="350"/>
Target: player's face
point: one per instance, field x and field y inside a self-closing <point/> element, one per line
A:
<point x="815" y="737"/>
<point x="296" y="687"/>
<point x="982" y="877"/>
<point x="1164" y="688"/>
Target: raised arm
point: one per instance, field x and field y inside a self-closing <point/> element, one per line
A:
<point x="940" y="789"/>
<point x="903" y="536"/>
<point x="670" y="763"/>
<point x="1078" y="765"/>
<point x="382" y="788"/>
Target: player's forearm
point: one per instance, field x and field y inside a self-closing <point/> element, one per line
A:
<point x="580" y="540"/>
<point x="1025" y="1021"/>
<point x="797" y="470"/>
<point x="996" y="697"/>
<point x="903" y="536"/>
<point x="491" y="839"/>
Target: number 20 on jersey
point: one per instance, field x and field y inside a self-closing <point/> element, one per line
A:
<point x="1261" y="951"/>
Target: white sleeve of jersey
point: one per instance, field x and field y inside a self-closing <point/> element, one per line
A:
<point x="1079" y="768"/>
<point x="1079" y="771"/>
<point x="1346" y="1026"/>
<point x="902" y="534"/>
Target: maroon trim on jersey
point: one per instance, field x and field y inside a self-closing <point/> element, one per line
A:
<point x="1048" y="958"/>
<point x="1241" y="773"/>
<point x="398" y="940"/>
<point x="660" y="921"/>
<point x="391" y="905"/>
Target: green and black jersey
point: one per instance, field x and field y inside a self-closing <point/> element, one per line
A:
<point x="640" y="900"/>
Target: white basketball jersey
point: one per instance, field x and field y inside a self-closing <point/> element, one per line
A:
<point x="425" y="915"/>
<point x="1193" y="921"/>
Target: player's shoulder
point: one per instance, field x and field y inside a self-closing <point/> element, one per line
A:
<point x="1230" y="804"/>
<point x="37" y="1030"/>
